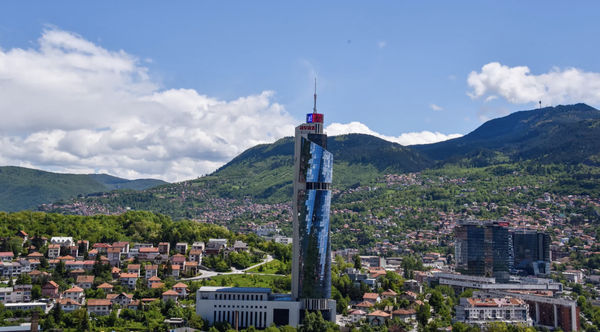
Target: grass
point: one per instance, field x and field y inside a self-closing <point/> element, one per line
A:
<point x="273" y="267"/>
<point x="278" y="284"/>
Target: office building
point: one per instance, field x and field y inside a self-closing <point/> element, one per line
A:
<point x="483" y="248"/>
<point x="311" y="250"/>
<point x="531" y="251"/>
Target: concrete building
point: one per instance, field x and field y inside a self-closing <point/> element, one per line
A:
<point x="243" y="307"/>
<point x="483" y="310"/>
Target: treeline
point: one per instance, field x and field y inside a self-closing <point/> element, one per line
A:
<point x="135" y="226"/>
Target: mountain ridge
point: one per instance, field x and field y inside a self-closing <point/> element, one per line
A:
<point x="27" y="188"/>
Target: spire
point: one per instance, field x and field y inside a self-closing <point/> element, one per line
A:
<point x="315" y="107"/>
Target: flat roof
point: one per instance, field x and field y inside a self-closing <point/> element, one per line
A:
<point x="234" y="289"/>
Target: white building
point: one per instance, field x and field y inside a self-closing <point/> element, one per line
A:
<point x="484" y="310"/>
<point x="247" y="306"/>
<point x="63" y="241"/>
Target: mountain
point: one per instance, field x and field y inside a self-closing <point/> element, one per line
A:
<point x="265" y="171"/>
<point x="262" y="175"/>
<point x="24" y="188"/>
<point x="561" y="134"/>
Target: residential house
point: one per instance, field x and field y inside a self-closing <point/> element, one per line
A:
<point x="356" y="315"/>
<point x="151" y="271"/>
<point x="372" y="297"/>
<point x="6" y="256"/>
<point x="175" y="269"/>
<point x="181" y="247"/>
<point x="378" y="318"/>
<point x="85" y="281"/>
<point x="122" y="299"/>
<point x="106" y="287"/>
<point x="99" y="307"/>
<point x="134" y="268"/>
<point x="122" y="246"/>
<point x="68" y="305"/>
<point x="53" y="251"/>
<point x="191" y="268"/>
<point x="214" y="246"/>
<point x="389" y="294"/>
<point x="181" y="289"/>
<point x="198" y="245"/>
<point x="147" y="254"/>
<point x="128" y="279"/>
<point x="153" y="280"/>
<point x="195" y="255"/>
<point x="75" y="293"/>
<point x="405" y="315"/>
<point x="164" y="248"/>
<point x="178" y="259"/>
<point x="170" y="295"/>
<point x="50" y="290"/>
<point x="239" y="246"/>
<point x="114" y="256"/>
<point x="63" y="241"/>
<point x="101" y="248"/>
<point x="73" y="251"/>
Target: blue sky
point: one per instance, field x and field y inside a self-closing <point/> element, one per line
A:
<point x="394" y="67"/>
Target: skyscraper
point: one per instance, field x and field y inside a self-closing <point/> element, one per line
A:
<point x="531" y="251"/>
<point x="483" y="248"/>
<point x="311" y="261"/>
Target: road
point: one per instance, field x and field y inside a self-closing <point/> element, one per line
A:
<point x="209" y="274"/>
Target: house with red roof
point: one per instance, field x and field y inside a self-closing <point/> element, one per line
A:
<point x="99" y="307"/>
<point x="6" y="256"/>
<point x="372" y="297"/>
<point x="75" y="293"/>
<point x="378" y="318"/>
<point x="128" y="280"/>
<point x="170" y="295"/>
<point x="68" y="305"/>
<point x="50" y="290"/>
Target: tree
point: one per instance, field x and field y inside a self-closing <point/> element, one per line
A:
<point x="314" y="322"/>
<point x="423" y="314"/>
<point x="357" y="262"/>
<point x="36" y="292"/>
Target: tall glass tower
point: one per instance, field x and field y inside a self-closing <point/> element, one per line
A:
<point x="311" y="261"/>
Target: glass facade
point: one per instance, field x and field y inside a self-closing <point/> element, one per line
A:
<point x="531" y="251"/>
<point x="483" y="249"/>
<point x="313" y="202"/>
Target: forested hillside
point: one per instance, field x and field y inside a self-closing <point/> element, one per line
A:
<point x="24" y="188"/>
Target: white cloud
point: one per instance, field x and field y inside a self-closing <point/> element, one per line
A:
<point x="518" y="86"/>
<point x="436" y="107"/>
<point x="381" y="44"/>
<point x="70" y="105"/>
<point x="412" y="138"/>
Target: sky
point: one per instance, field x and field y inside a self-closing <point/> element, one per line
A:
<point x="173" y="90"/>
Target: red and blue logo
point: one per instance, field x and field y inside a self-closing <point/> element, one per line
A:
<point x="314" y="118"/>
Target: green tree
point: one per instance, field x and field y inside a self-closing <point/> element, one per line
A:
<point x="423" y="314"/>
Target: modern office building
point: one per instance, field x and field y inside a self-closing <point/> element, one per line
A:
<point x="311" y="247"/>
<point x="531" y="250"/>
<point x="483" y="248"/>
<point x="311" y="262"/>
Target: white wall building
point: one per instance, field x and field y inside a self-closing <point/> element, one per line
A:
<point x="246" y="306"/>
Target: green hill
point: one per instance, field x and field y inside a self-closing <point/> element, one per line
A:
<point x="561" y="134"/>
<point x="24" y="188"/>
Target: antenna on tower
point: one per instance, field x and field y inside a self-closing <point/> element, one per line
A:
<point x="315" y="106"/>
<point x="540" y="104"/>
